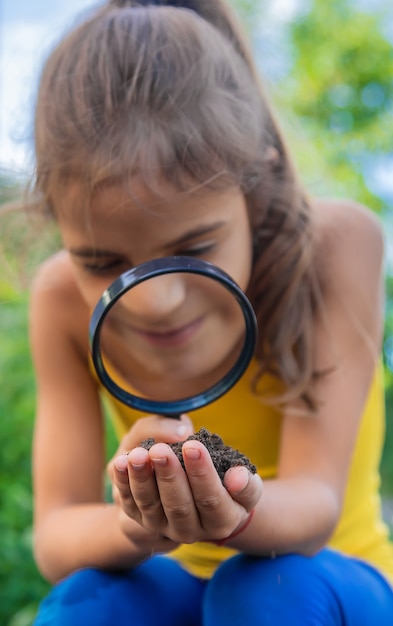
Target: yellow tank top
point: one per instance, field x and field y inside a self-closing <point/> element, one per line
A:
<point x="249" y="425"/>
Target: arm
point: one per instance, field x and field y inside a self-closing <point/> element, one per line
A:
<point x="74" y="528"/>
<point x="299" y="510"/>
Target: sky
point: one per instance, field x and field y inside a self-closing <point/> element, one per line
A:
<point x="28" y="30"/>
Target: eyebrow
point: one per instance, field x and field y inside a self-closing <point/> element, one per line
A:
<point x="85" y="252"/>
<point x="196" y="232"/>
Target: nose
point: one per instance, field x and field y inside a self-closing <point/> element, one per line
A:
<point x="156" y="299"/>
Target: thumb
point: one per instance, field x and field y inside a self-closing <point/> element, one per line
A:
<point x="161" y="429"/>
<point x="174" y="430"/>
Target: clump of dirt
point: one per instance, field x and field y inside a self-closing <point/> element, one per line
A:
<point x="223" y="456"/>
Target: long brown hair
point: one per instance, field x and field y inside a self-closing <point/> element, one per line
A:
<point x="171" y="92"/>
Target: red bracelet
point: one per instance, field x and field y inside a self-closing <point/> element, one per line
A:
<point x="222" y="542"/>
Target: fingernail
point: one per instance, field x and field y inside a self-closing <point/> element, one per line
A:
<point x="192" y="453"/>
<point x="138" y="466"/>
<point x="243" y="476"/>
<point x="121" y="463"/>
<point x="182" y="430"/>
<point x="161" y="461"/>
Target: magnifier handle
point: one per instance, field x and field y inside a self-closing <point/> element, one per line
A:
<point x="175" y="416"/>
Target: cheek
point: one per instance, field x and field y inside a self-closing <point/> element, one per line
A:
<point x="245" y="254"/>
<point x="237" y="261"/>
<point x="245" y="268"/>
<point x="90" y="288"/>
<point x="228" y="312"/>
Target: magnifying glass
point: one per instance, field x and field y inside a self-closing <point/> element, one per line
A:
<point x="178" y="332"/>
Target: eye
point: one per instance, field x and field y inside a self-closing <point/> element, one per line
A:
<point x="198" y="250"/>
<point x="104" y="267"/>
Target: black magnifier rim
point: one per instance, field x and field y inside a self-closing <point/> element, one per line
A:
<point x="141" y="273"/>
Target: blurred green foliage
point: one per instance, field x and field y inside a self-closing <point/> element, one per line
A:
<point x="334" y="103"/>
<point x="339" y="91"/>
<point x="342" y="71"/>
<point x="20" y="584"/>
<point x="387" y="459"/>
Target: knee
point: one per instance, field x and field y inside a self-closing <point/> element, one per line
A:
<point x="157" y="591"/>
<point x="259" y="591"/>
<point x="85" y="595"/>
<point x="242" y="571"/>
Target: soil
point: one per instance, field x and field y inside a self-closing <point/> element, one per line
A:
<point x="223" y="456"/>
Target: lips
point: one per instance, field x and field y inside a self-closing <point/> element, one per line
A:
<point x="173" y="337"/>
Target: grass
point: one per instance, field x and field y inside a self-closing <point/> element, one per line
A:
<point x="21" y="585"/>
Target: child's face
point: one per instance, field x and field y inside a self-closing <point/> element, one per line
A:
<point x="186" y="325"/>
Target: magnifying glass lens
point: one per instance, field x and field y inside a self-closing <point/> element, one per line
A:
<point x="172" y="335"/>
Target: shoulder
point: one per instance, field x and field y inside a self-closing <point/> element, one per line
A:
<point x="55" y="275"/>
<point x="349" y="242"/>
<point x="348" y="255"/>
<point x="56" y="302"/>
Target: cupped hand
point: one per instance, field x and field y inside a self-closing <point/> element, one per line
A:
<point x="146" y="542"/>
<point x="153" y="426"/>
<point x="184" y="506"/>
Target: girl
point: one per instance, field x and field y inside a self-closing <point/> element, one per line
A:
<point x="153" y="138"/>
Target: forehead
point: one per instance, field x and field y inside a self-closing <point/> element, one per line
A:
<point x="121" y="205"/>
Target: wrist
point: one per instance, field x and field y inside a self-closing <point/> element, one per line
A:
<point x="236" y="532"/>
<point x="146" y="543"/>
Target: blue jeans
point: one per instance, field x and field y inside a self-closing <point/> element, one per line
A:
<point x="328" y="589"/>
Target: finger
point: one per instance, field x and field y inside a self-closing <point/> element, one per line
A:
<point x="175" y="494"/>
<point x="121" y="485"/>
<point x="144" y="489"/>
<point x="115" y="495"/>
<point x="110" y="470"/>
<point x="244" y="487"/>
<point x="218" y="512"/>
